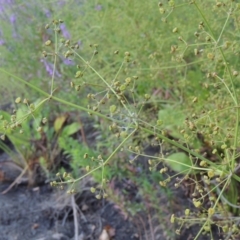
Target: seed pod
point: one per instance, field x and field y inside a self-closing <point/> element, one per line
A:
<point x="98" y="196"/>
<point x="123" y="134"/>
<point x="105" y="195"/>
<point x="126" y="59"/>
<point x="44" y="53"/>
<point x="55" y="21"/>
<point x="195" y="99"/>
<point x="128" y="80"/>
<point x="211" y="173"/>
<point x="187" y="212"/>
<point x="159" y="122"/>
<point x="210" y="56"/>
<point x="78" y="87"/>
<point x="162" y="183"/>
<point x="162" y="10"/>
<point x="44" y="120"/>
<point x="39" y="129"/>
<point x="196" y="52"/>
<point x="122" y="87"/>
<point x="175" y="30"/>
<point x="78" y="74"/>
<point x="48" y="43"/>
<point x="208" y="39"/>
<point x="73" y="191"/>
<point x="57" y="29"/>
<point x="3" y="137"/>
<point x="176" y="185"/>
<point x="18" y="100"/>
<point x="95" y="108"/>
<point x="203" y="164"/>
<point x="127" y="54"/>
<point x="113" y="109"/>
<point x="224" y="146"/>
<point x="72" y="84"/>
<point x="196" y="203"/>
<point x="235" y="73"/>
<point x="147" y="96"/>
<point x="211" y="211"/>
<point x="196" y="34"/>
<point x="171" y="3"/>
<point x="173" y="48"/>
<point x="32" y="107"/>
<point x="68" y="54"/>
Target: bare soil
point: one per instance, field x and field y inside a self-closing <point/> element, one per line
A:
<point x="42" y="213"/>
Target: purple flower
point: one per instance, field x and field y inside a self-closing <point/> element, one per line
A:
<point x="65" y="32"/>
<point x="1" y="9"/>
<point x="13" y="19"/>
<point x="48" y="13"/>
<point x="61" y="3"/>
<point x="49" y="68"/>
<point x="68" y="62"/>
<point x="1" y="40"/>
<point x="6" y="2"/>
<point x="98" y="7"/>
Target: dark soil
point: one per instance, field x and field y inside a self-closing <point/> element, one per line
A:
<point x="42" y="213"/>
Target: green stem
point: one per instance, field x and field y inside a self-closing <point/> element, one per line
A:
<point x="234" y="95"/>
<point x="195" y="154"/>
<point x="107" y="160"/>
<point x="107" y="84"/>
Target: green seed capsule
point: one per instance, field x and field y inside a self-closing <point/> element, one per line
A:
<point x="18" y="100"/>
<point x="48" y="43"/>
<point x="113" y="108"/>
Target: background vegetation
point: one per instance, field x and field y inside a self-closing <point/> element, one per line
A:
<point x="144" y="74"/>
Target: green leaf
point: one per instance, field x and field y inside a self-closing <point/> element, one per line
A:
<point x="171" y="118"/>
<point x="59" y="121"/>
<point x="179" y="162"/>
<point x="71" y="129"/>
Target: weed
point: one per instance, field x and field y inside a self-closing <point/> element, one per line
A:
<point x="120" y="84"/>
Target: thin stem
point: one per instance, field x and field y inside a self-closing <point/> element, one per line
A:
<point x="107" y="160"/>
<point x="234" y="95"/>
<point x="107" y="84"/>
<point x="223" y="28"/>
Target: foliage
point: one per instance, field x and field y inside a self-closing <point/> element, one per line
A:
<point x="169" y="76"/>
